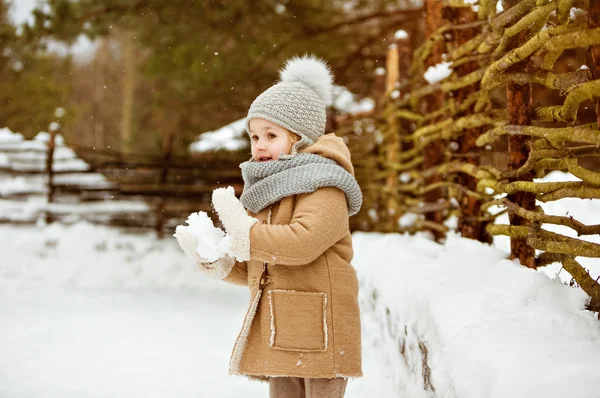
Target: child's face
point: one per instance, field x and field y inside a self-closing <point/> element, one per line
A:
<point x="269" y="140"/>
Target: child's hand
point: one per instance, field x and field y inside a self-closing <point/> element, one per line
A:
<point x="236" y="221"/>
<point x="217" y="269"/>
<point x="188" y="243"/>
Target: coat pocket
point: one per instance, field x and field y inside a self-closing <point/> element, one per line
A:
<point x="298" y="320"/>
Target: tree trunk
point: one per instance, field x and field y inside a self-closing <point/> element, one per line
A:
<point x="128" y="91"/>
<point x="519" y="108"/>
<point x="594" y="51"/>
<point x="470" y="208"/>
<point x="433" y="153"/>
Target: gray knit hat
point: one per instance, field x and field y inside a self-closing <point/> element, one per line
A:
<point x="299" y="101"/>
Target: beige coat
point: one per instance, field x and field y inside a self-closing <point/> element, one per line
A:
<point x="306" y="322"/>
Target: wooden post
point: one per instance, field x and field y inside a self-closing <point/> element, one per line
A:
<point x="433" y="153"/>
<point x="129" y="64"/>
<point x="50" y="170"/>
<point x="519" y="109"/>
<point x="392" y="146"/>
<point x="164" y="173"/>
<point x="594" y="51"/>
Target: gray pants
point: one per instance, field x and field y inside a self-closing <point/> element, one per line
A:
<point x="296" y="387"/>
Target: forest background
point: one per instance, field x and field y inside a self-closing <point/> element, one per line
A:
<point x="182" y="67"/>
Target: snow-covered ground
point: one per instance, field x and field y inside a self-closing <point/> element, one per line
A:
<point x="88" y="311"/>
<point x="492" y="328"/>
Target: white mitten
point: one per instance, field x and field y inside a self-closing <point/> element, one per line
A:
<point x="188" y="243"/>
<point x="217" y="269"/>
<point x="236" y="221"/>
<point x="220" y="269"/>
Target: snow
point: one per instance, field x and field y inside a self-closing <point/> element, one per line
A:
<point x="230" y="138"/>
<point x="400" y="34"/>
<point x="408" y="219"/>
<point x="344" y="101"/>
<point x="575" y="13"/>
<point x="7" y="136"/>
<point x="89" y="311"/>
<point x="491" y="327"/>
<point x="212" y="241"/>
<point x="438" y="72"/>
<point x="30" y="155"/>
<point x="21" y="11"/>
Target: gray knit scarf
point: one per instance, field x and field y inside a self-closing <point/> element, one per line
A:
<point x="266" y="183"/>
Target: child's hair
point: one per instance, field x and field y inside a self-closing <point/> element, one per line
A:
<point x="294" y="138"/>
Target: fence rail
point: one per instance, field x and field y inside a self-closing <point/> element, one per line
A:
<point x="55" y="181"/>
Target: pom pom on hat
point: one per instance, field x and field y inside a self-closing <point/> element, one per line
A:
<point x="311" y="71"/>
<point x="298" y="102"/>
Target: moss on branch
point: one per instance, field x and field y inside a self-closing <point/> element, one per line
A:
<point x="555" y="136"/>
<point x="540" y="217"/>
<point x="568" y="111"/>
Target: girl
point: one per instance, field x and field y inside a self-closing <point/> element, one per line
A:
<point x="291" y="242"/>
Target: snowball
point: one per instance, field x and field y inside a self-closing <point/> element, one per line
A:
<point x="213" y="243"/>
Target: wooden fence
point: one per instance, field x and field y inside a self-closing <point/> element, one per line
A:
<point x="112" y="188"/>
<point x="508" y="112"/>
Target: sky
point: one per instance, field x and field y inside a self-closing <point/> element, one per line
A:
<point x="82" y="49"/>
<point x="20" y="10"/>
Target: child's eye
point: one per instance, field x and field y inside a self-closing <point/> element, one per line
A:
<point x="254" y="138"/>
<point x="272" y="136"/>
